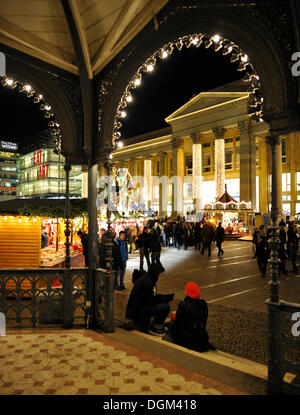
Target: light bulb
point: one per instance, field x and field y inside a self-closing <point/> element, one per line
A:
<point x="123" y="114"/>
<point x="164" y="54"/>
<point x="129" y="98"/>
<point x="216" y="38"/>
<point x="9" y="82"/>
<point x="244" y="58"/>
<point x="120" y="144"/>
<point x="137" y="82"/>
<point x="27" y="88"/>
<point x="47" y="107"/>
<point x="150" y="68"/>
<point x="195" y="41"/>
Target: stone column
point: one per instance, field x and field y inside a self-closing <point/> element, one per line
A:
<point x="197" y="172"/>
<point x="219" y="160"/>
<point x="178" y="176"/>
<point x="264" y="188"/>
<point x="163" y="185"/>
<point x="148" y="184"/>
<point x="279" y="177"/>
<point x="247" y="164"/>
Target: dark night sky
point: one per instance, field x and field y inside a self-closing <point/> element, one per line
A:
<point x="172" y="83"/>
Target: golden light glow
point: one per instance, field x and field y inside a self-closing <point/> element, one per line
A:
<point x="5" y="218"/>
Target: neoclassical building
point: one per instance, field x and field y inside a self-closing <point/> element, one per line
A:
<point x="212" y="141"/>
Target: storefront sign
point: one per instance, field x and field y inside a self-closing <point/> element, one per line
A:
<point x="9" y="145"/>
<point x="43" y="171"/>
<point x="37" y="157"/>
<point x="2" y="64"/>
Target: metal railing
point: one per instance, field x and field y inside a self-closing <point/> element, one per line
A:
<point x="284" y="347"/>
<point x="37" y="297"/>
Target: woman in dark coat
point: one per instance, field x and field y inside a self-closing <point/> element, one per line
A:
<point x="189" y="326"/>
<point x="144" y="303"/>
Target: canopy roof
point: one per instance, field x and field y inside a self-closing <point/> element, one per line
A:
<point x="226" y="198"/>
<point x="40" y="28"/>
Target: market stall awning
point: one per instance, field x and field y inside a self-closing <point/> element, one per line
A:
<point x="51" y="208"/>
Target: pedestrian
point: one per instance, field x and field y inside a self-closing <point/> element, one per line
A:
<point x="208" y="236"/>
<point x="103" y="254"/>
<point x="189" y="327"/>
<point x="255" y="241"/>
<point x="142" y="244"/>
<point x="292" y="245"/>
<point x="144" y="304"/>
<point x="178" y="234"/>
<point x="220" y="237"/>
<point x="119" y="279"/>
<point x="263" y="254"/>
<point x="85" y="246"/>
<point x="197" y="236"/>
<point x="185" y="235"/>
<point x="154" y="247"/>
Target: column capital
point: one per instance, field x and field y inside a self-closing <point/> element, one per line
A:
<point x="243" y="126"/>
<point x="273" y="139"/>
<point x="219" y="132"/>
<point x="196" y="137"/>
<point x="177" y="142"/>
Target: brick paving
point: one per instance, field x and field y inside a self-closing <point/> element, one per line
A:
<point x="83" y="362"/>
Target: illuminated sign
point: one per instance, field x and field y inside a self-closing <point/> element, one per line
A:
<point x="43" y="171"/>
<point x="9" y="145"/>
<point x="2" y="64"/>
<point x="37" y="157"/>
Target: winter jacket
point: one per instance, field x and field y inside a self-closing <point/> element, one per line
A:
<point x="208" y="233"/>
<point x="189" y="327"/>
<point x="143" y="240"/>
<point x="220" y="234"/>
<point x="154" y="243"/>
<point x="143" y="297"/>
<point x="123" y="248"/>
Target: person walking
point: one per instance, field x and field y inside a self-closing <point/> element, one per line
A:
<point x="178" y="235"/>
<point x="219" y="238"/>
<point x="292" y="245"/>
<point x="143" y="246"/>
<point x="263" y="254"/>
<point x="85" y="246"/>
<point x="122" y="244"/>
<point x="208" y="236"/>
<point x="255" y="241"/>
<point x="185" y="235"/>
<point x="197" y="236"/>
<point x="144" y="303"/>
<point x="154" y="247"/>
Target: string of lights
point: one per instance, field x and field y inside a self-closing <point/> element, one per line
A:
<point x="44" y="106"/>
<point x="196" y="40"/>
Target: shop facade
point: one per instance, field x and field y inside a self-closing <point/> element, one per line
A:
<point x="8" y="170"/>
<point x="41" y="174"/>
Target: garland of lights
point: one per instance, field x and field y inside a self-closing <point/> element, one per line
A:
<point x="218" y="43"/>
<point x="44" y="106"/>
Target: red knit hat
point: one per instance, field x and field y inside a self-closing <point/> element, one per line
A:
<point x="192" y="290"/>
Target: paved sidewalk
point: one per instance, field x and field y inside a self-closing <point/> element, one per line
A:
<point x="84" y="362"/>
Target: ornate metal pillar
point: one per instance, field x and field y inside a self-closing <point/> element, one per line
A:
<point x="108" y="235"/>
<point x="148" y="181"/>
<point x="67" y="169"/>
<point x="178" y="167"/>
<point x="274" y="341"/>
<point x="163" y="185"/>
<point x="219" y="160"/>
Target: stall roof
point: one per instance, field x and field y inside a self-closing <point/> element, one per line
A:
<point x="40" y="207"/>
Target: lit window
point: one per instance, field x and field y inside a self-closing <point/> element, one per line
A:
<point x="206" y="161"/>
<point x="189" y="165"/>
<point x="283" y="150"/>
<point x="286" y="182"/>
<point x="228" y="158"/>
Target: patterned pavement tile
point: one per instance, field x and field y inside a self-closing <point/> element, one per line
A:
<point x="84" y="362"/>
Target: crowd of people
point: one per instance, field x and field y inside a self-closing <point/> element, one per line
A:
<point x="287" y="250"/>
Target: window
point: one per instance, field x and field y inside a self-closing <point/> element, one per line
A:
<point x="157" y="168"/>
<point x="228" y="158"/>
<point x="206" y="161"/>
<point x="189" y="165"/>
<point x="237" y="139"/>
<point x="257" y="154"/>
<point x="286" y="182"/>
<point x="298" y="181"/>
<point x="228" y="140"/>
<point x="286" y="208"/>
<point x="283" y="150"/>
<point x="188" y="190"/>
<point x="205" y="145"/>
